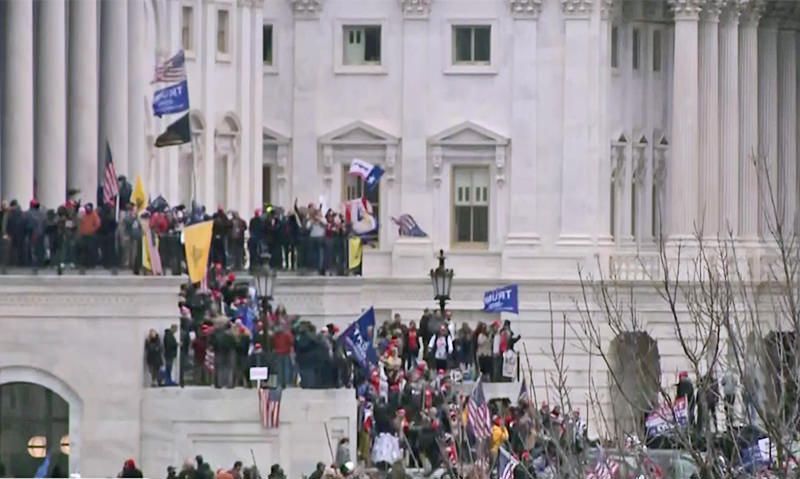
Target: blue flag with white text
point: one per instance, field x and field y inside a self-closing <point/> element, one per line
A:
<point x="357" y="338"/>
<point x="172" y="99"/>
<point x="505" y="299"/>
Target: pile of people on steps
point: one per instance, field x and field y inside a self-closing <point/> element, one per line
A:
<point x="198" y="468"/>
<point x="85" y="235"/>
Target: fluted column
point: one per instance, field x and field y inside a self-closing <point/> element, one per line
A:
<point x="137" y="71"/>
<point x="114" y="83"/>
<point x="787" y="121"/>
<point x="258" y="102"/>
<point x="17" y="167"/>
<point x="709" y="187"/>
<point x="767" y="121"/>
<point x="579" y="168"/>
<point x="729" y="121"/>
<point x="51" y="105"/>
<point x="748" y="123"/>
<point x="682" y="169"/>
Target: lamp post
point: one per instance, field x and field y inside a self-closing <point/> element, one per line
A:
<point x="441" y="279"/>
<point x="265" y="284"/>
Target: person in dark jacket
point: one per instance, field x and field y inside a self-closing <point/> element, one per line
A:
<point x="255" y="243"/>
<point x="224" y="345"/>
<point x="219" y="233"/>
<point x="14" y="228"/>
<point x="35" y="222"/>
<point x="170" y="353"/>
<point x="203" y="469"/>
<point x="153" y="355"/>
<point x="685" y="389"/>
<point x="129" y="469"/>
<point x="107" y="235"/>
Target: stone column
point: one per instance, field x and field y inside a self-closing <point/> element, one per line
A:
<point x="17" y="167"/>
<point x="257" y="76"/>
<point x="114" y="84"/>
<point x="82" y="158"/>
<point x="245" y="162"/>
<point x="309" y="44"/>
<point x="748" y="123"/>
<point x="787" y="121"/>
<point x="767" y="121"/>
<point x="139" y="79"/>
<point x="522" y="221"/>
<point x="729" y="121"/>
<point x="709" y="187"/>
<point x="579" y="169"/>
<point x="51" y="104"/>
<point x="682" y="170"/>
<point x="415" y="45"/>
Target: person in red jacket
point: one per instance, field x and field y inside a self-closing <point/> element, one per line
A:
<point x="282" y="348"/>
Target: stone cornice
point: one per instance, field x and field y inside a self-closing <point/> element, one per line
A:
<point x="306" y="8"/>
<point x="416" y="8"/>
<point x="687" y="9"/>
<point x="577" y="7"/>
<point x="525" y="8"/>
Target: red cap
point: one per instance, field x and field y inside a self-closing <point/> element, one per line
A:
<point x="257" y="346"/>
<point x="683" y="375"/>
<point x="231" y="277"/>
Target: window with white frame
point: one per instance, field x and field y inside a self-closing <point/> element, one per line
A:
<point x="656" y="50"/>
<point x="362" y="45"/>
<point x="223" y="27"/>
<point x="187" y="32"/>
<point x="636" y="48"/>
<point x="471" y="205"/>
<point x="472" y="44"/>
<point x="614" y="46"/>
<point x="266" y="52"/>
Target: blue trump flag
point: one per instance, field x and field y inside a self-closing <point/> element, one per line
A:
<point x="172" y="99"/>
<point x="44" y="467"/>
<point x="357" y="338"/>
<point x="501" y="299"/>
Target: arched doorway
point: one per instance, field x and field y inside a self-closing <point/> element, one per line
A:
<point x="34" y="431"/>
<point x="634" y="380"/>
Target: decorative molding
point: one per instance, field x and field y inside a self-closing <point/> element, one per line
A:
<point x="609" y="8"/>
<point x="639" y="164"/>
<point x="577" y="7"/>
<point x="500" y="164"/>
<point x="525" y="8"/>
<point x="357" y="134"/>
<point x="391" y="161"/>
<point x="306" y="8"/>
<point x="751" y="11"/>
<point x="687" y="9"/>
<point x="436" y="164"/>
<point x="416" y="9"/>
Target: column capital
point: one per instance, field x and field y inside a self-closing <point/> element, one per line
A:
<point x="416" y="8"/>
<point x="525" y="8"/>
<point x="712" y="10"/>
<point x="730" y="12"/>
<point x="609" y="8"/>
<point x="306" y="8"/>
<point x="687" y="9"/>
<point x="577" y="7"/>
<point x="751" y="11"/>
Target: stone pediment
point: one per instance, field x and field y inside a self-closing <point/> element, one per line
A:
<point x="272" y="137"/>
<point x="358" y="133"/>
<point x="468" y="134"/>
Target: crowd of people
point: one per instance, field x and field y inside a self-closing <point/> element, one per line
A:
<point x="80" y="234"/>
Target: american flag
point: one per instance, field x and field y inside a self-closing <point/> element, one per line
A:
<point x="478" y="413"/>
<point x="604" y="469"/>
<point x="172" y="70"/>
<point x="506" y="463"/>
<point x="269" y="406"/>
<point x="110" y="187"/>
<point x="209" y="360"/>
<point x="407" y="226"/>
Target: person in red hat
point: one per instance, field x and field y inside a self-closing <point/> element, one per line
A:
<point x="499" y="435"/>
<point x="129" y="469"/>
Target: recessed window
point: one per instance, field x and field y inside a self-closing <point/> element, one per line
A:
<point x="266" y="53"/>
<point x="362" y="45"/>
<point x="223" y="46"/>
<point x="614" y="46"/>
<point x="636" y="48"/>
<point x="471" y="204"/>
<point x="187" y="19"/>
<point x="656" y="50"/>
<point x="354" y="189"/>
<point x="472" y="45"/>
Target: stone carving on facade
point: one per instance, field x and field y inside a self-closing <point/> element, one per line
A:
<point x="639" y="163"/>
<point x="500" y="164"/>
<point x="416" y="8"/>
<point x="391" y="160"/>
<point x="436" y="163"/>
<point x="609" y="8"/>
<point x="712" y="10"/>
<point x="618" y="164"/>
<point x="660" y="164"/>
<point x="327" y="164"/>
<point x="686" y="8"/>
<point x="308" y="8"/>
<point x="577" y="7"/>
<point x="281" y="161"/>
<point x="526" y="8"/>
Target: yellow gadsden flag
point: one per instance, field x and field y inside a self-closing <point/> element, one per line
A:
<point x="139" y="197"/>
<point x="197" y="242"/>
<point x="354" y="250"/>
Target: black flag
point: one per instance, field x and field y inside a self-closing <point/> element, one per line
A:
<point x="177" y="133"/>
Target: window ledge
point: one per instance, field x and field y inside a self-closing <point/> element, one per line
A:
<point x="223" y="57"/>
<point x="480" y="248"/>
<point x="470" y="70"/>
<point x="189" y="54"/>
<point x="270" y="69"/>
<point x="360" y="70"/>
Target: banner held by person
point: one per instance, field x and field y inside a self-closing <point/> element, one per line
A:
<point x="177" y="133"/>
<point x="197" y="243"/>
<point x="665" y="418"/>
<point x="371" y="174"/>
<point x="355" y="251"/>
<point x="505" y="299"/>
<point x="357" y="338"/>
<point x="172" y="99"/>
<point x="139" y="197"/>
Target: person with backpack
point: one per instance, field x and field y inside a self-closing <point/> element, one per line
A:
<point x="440" y="348"/>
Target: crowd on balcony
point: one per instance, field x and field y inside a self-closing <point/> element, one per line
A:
<point x="83" y="235"/>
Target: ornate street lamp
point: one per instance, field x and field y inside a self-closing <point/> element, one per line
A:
<point x="265" y="285"/>
<point x="441" y="279"/>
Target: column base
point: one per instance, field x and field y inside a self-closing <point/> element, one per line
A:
<point x="574" y="240"/>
